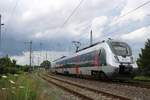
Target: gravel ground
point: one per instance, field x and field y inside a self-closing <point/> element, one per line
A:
<point x="83" y="91"/>
<point x="52" y="92"/>
<point x="134" y="93"/>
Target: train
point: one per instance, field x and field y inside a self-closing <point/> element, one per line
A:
<point x="107" y="59"/>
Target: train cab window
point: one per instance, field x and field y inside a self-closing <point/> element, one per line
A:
<point x="102" y="57"/>
<point x="121" y="49"/>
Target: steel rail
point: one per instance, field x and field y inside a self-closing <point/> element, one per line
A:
<point x="91" y="89"/>
<point x="67" y="89"/>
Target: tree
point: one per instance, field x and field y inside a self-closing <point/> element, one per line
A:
<point x="46" y="64"/>
<point x="144" y="58"/>
<point x="7" y="65"/>
<point x="14" y="62"/>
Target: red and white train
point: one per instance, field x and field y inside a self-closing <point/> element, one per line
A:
<point x="110" y="58"/>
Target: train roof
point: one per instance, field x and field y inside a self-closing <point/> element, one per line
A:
<point x="59" y="58"/>
<point x="85" y="48"/>
<point x="63" y="57"/>
<point x="90" y="46"/>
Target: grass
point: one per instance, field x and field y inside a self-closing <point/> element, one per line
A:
<point x="48" y="91"/>
<point x="21" y="87"/>
<point x="28" y="86"/>
<point x="142" y="78"/>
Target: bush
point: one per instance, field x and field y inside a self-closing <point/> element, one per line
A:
<point x="146" y="71"/>
<point x="9" y="66"/>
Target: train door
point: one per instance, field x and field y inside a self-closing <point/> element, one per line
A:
<point x="102" y="63"/>
<point x="102" y="57"/>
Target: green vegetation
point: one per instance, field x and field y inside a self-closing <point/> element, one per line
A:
<point x="28" y="86"/>
<point x="25" y="87"/>
<point x="15" y="84"/>
<point x="8" y="66"/>
<point x="142" y="78"/>
<point x="18" y="87"/>
<point x="46" y="64"/>
<point x="144" y="60"/>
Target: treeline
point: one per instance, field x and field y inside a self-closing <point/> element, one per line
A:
<point x="9" y="66"/>
<point x="144" y="60"/>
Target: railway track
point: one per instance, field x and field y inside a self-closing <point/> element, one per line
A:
<point x="131" y="83"/>
<point x="81" y="91"/>
<point x="134" y="91"/>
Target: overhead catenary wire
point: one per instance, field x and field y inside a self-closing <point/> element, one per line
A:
<point x="129" y="12"/>
<point x="76" y="8"/>
<point x="140" y="6"/>
<point x="30" y="52"/>
<point x="72" y="13"/>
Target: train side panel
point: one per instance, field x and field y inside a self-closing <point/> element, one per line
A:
<point x="94" y="60"/>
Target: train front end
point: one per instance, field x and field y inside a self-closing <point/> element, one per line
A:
<point x="123" y="61"/>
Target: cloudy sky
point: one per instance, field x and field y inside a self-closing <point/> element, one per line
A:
<point x="43" y="21"/>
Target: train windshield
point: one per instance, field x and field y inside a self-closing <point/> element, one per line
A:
<point x="121" y="49"/>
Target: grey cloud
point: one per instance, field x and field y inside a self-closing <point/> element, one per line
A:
<point x="42" y="22"/>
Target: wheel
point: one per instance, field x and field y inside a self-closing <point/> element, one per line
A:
<point x="103" y="76"/>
